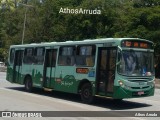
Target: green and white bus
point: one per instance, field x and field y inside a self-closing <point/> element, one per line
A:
<point x="117" y="68"/>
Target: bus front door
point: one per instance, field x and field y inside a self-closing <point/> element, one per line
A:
<point x="17" y="68"/>
<point x="49" y="68"/>
<point x="106" y="71"/>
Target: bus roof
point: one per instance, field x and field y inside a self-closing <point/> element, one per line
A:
<point x="86" y="41"/>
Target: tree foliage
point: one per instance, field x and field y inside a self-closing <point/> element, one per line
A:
<point x="44" y="22"/>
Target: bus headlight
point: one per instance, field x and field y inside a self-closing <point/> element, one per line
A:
<point x="123" y="85"/>
<point x="120" y="83"/>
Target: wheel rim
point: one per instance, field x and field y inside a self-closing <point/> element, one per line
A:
<point x="86" y="93"/>
<point x="28" y="85"/>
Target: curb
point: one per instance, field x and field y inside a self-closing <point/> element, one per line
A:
<point x="3" y="69"/>
<point x="157" y="83"/>
<point x="157" y="86"/>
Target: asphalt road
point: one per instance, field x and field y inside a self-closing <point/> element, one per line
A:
<point x="14" y="98"/>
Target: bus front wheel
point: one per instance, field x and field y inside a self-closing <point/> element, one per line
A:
<point x="28" y="84"/>
<point x="86" y="93"/>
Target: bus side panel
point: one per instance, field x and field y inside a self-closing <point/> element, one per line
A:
<point x="9" y="76"/>
<point x="65" y="79"/>
<point x="27" y="70"/>
<point x="37" y="75"/>
<point x="35" y="72"/>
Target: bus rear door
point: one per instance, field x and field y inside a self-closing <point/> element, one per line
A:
<point x="106" y="71"/>
<point x="49" y="68"/>
<point x="17" y="67"/>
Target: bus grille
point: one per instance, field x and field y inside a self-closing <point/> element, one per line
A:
<point x="140" y="87"/>
<point x="138" y="79"/>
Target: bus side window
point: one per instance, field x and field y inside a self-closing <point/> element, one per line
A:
<point x="28" y="56"/>
<point x="66" y="56"/>
<point x="39" y="55"/>
<point x="90" y="60"/>
<point x="85" y="55"/>
<point x="12" y="55"/>
<point x="54" y="57"/>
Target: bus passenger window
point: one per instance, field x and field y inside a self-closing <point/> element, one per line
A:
<point x="61" y="60"/>
<point x="85" y="55"/>
<point x="28" y="56"/>
<point x="39" y="56"/>
<point x="66" y="56"/>
<point x="90" y="60"/>
<point x="54" y="57"/>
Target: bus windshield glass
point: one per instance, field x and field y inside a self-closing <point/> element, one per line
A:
<point x="136" y="63"/>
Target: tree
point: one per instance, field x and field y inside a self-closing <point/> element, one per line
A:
<point x="45" y="22"/>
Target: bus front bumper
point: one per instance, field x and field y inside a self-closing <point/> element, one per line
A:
<point x="120" y="93"/>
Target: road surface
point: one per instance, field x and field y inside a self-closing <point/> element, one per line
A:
<point x="14" y="98"/>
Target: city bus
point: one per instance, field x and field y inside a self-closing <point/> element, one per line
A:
<point x="115" y="68"/>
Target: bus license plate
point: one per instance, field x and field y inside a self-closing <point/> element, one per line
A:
<point x="140" y="92"/>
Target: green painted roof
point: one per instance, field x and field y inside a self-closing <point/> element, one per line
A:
<point x="86" y="41"/>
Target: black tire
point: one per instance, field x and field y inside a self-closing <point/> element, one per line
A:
<point x="28" y="84"/>
<point x="86" y="93"/>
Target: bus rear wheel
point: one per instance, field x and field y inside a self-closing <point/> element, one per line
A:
<point x="28" y="84"/>
<point x="86" y="93"/>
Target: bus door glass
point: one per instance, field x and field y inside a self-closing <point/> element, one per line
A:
<point x="37" y="65"/>
<point x="10" y="65"/>
<point x="106" y="70"/>
<point x="49" y="68"/>
<point x="17" y="69"/>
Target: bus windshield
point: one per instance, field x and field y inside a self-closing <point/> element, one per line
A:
<point x="136" y="63"/>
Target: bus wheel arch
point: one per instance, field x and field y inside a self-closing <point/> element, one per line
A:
<point x="85" y="90"/>
<point x="28" y="83"/>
